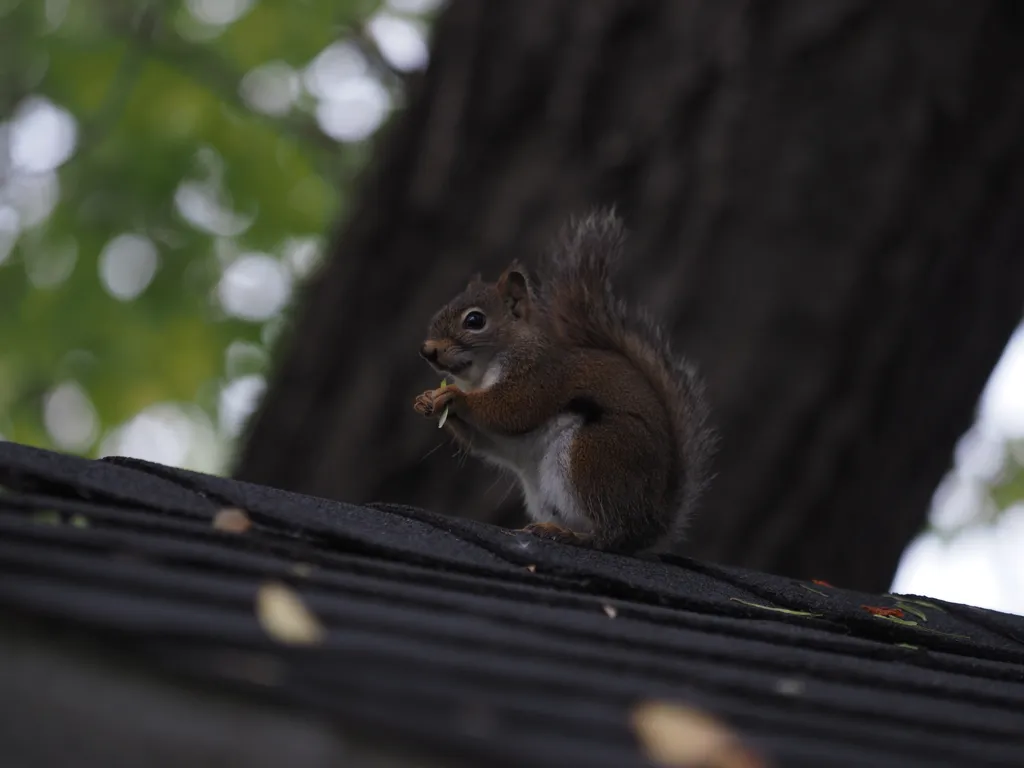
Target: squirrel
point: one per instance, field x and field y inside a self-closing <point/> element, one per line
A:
<point x="575" y="392"/>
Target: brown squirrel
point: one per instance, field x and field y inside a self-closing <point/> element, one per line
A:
<point x="577" y="394"/>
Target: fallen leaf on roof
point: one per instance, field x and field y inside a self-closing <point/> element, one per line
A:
<point x="47" y="517"/>
<point x="912" y="609"/>
<point x="79" y="521"/>
<point x="284" y="616"/>
<point x="925" y="603"/>
<point x="610" y="610"/>
<point x="904" y="600"/>
<point x="815" y="591"/>
<point x="232" y="520"/>
<point x="789" y="611"/>
<point x="878" y="610"/>
<point x="531" y="568"/>
<point x="676" y="736"/>
<point x="789" y="686"/>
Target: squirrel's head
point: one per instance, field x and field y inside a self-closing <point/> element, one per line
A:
<point x="468" y="334"/>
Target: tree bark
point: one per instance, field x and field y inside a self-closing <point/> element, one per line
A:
<point x="825" y="200"/>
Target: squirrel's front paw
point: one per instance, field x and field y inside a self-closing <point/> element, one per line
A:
<point x="433" y="401"/>
<point x="555" y="532"/>
<point x="424" y="405"/>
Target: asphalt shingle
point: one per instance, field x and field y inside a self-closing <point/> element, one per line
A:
<point x="487" y="645"/>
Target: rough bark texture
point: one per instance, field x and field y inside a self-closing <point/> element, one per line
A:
<point x="826" y="200"/>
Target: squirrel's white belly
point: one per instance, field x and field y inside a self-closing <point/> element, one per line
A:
<point x="541" y="462"/>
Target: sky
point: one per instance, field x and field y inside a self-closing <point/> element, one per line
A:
<point x="963" y="560"/>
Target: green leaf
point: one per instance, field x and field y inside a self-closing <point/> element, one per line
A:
<point x="46" y="517"/>
<point x="1010" y="490"/>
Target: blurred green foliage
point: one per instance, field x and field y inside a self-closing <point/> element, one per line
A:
<point x="157" y="101"/>
<point x="1009" y="488"/>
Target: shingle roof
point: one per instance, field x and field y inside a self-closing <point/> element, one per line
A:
<point x="487" y="647"/>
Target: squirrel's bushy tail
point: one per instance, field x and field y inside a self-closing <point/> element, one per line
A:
<point x="576" y="293"/>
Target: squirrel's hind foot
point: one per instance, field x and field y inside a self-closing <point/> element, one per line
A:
<point x="555" y="532"/>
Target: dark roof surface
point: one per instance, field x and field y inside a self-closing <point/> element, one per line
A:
<point x="483" y="645"/>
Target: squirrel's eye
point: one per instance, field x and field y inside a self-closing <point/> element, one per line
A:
<point x="474" y="321"/>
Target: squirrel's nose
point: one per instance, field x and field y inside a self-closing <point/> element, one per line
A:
<point x="429" y="352"/>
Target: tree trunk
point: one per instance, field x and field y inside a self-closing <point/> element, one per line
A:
<point x="826" y="201"/>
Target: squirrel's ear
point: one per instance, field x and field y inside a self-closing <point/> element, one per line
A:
<point x="514" y="289"/>
<point x="475" y="280"/>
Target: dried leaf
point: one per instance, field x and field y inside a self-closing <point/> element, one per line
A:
<point x="232" y="520"/>
<point x="879" y="610"/>
<point x="676" y="736"/>
<point x="789" y="686"/>
<point x="815" y="591"/>
<point x="915" y="601"/>
<point x="925" y="603"/>
<point x="531" y="568"/>
<point x="912" y="610"/>
<point x="47" y="517"/>
<point x="610" y="610"/>
<point x="789" y="611"/>
<point x="285" y="617"/>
